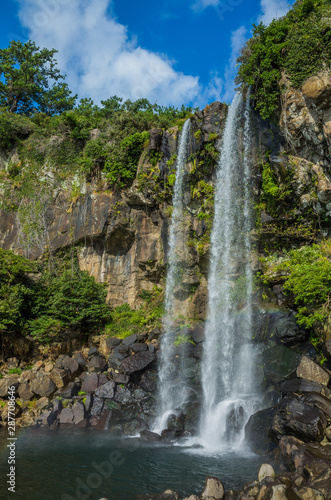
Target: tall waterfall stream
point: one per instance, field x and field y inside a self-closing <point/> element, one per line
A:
<point x="229" y="357"/>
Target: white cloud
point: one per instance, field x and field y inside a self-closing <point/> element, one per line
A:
<point x="99" y="57"/>
<point x="202" y="4"/>
<point x="272" y="9"/>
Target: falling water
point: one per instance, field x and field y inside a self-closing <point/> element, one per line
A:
<point x="228" y="362"/>
<point x="172" y="383"/>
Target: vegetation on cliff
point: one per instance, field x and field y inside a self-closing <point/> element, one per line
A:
<point x="42" y="302"/>
<point x="297" y="45"/>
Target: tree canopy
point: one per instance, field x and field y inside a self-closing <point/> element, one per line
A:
<point x="30" y="82"/>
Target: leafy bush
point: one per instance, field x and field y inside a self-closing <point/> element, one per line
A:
<point x="48" y="305"/>
<point x="122" y="162"/>
<point x="307" y="274"/>
<point x="298" y="44"/>
<point x="13" y="128"/>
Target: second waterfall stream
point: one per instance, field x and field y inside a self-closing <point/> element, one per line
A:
<point x="228" y="365"/>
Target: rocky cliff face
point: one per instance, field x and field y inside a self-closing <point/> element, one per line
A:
<point x="121" y="237"/>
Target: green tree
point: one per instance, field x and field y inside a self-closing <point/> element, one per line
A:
<point x="30" y="80"/>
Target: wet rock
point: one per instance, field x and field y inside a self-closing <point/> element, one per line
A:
<point x="66" y="416"/>
<point x="266" y="470"/>
<point x="149" y="381"/>
<point x="137" y="362"/>
<point x="42" y="385"/>
<point x="257" y="431"/>
<point x="322" y="482"/>
<point x="57" y="405"/>
<point x="65" y="362"/>
<point x="295" y="418"/>
<point x="214" y="489"/>
<point x="90" y="384"/>
<point x="279" y="363"/>
<point x="312" y="371"/>
<point x="198" y="334"/>
<point x="150" y="436"/>
<point x="288" y="331"/>
<point x="106" y="390"/>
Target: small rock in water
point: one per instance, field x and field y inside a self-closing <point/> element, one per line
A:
<point x="214" y="489"/>
<point x="266" y="471"/>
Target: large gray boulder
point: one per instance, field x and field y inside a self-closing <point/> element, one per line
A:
<point x="296" y="418"/>
<point x="42" y="384"/>
<point x="137" y="362"/>
<point x="65" y="362"/>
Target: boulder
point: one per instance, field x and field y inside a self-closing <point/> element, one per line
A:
<point x="313" y="457"/>
<point x="42" y="384"/>
<point x="296" y="418"/>
<point x="137" y="362"/>
<point x="66" y="416"/>
<point x="65" y="362"/>
<point x="266" y="470"/>
<point x="60" y="377"/>
<point x="214" y="489"/>
<point x="78" y="411"/>
<point x="68" y="392"/>
<point x="198" y="334"/>
<point x="47" y="418"/>
<point x="122" y="395"/>
<point x="106" y="391"/>
<point x="8" y="382"/>
<point x="90" y="384"/>
<point x="131" y="339"/>
<point x="97" y="406"/>
<point x="25" y="392"/>
<point x="138" y="347"/>
<point x="80" y="359"/>
<point x="150" y="436"/>
<point x="288" y="331"/>
<point x="257" y="431"/>
<point x="121" y="378"/>
<point x="306" y="493"/>
<point x="93" y="351"/>
<point x="97" y="364"/>
<point x="310" y="370"/>
<point x="279" y="363"/>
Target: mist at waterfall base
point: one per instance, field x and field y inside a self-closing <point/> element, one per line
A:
<point x="52" y="464"/>
<point x="229" y="388"/>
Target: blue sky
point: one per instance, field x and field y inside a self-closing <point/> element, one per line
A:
<point x="170" y="51"/>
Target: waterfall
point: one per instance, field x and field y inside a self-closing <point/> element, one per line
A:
<point x="228" y="359"/>
<point x="172" y="383"/>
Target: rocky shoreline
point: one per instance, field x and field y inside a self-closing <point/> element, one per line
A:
<point x="112" y="385"/>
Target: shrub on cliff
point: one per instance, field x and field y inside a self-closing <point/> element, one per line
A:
<point x="298" y="44"/>
<point x="306" y="272"/>
<point x="51" y="303"/>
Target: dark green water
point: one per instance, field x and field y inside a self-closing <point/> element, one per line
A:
<point x="63" y="465"/>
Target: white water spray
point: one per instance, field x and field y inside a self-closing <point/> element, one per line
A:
<point x="172" y="383"/>
<point x="228" y="362"/>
